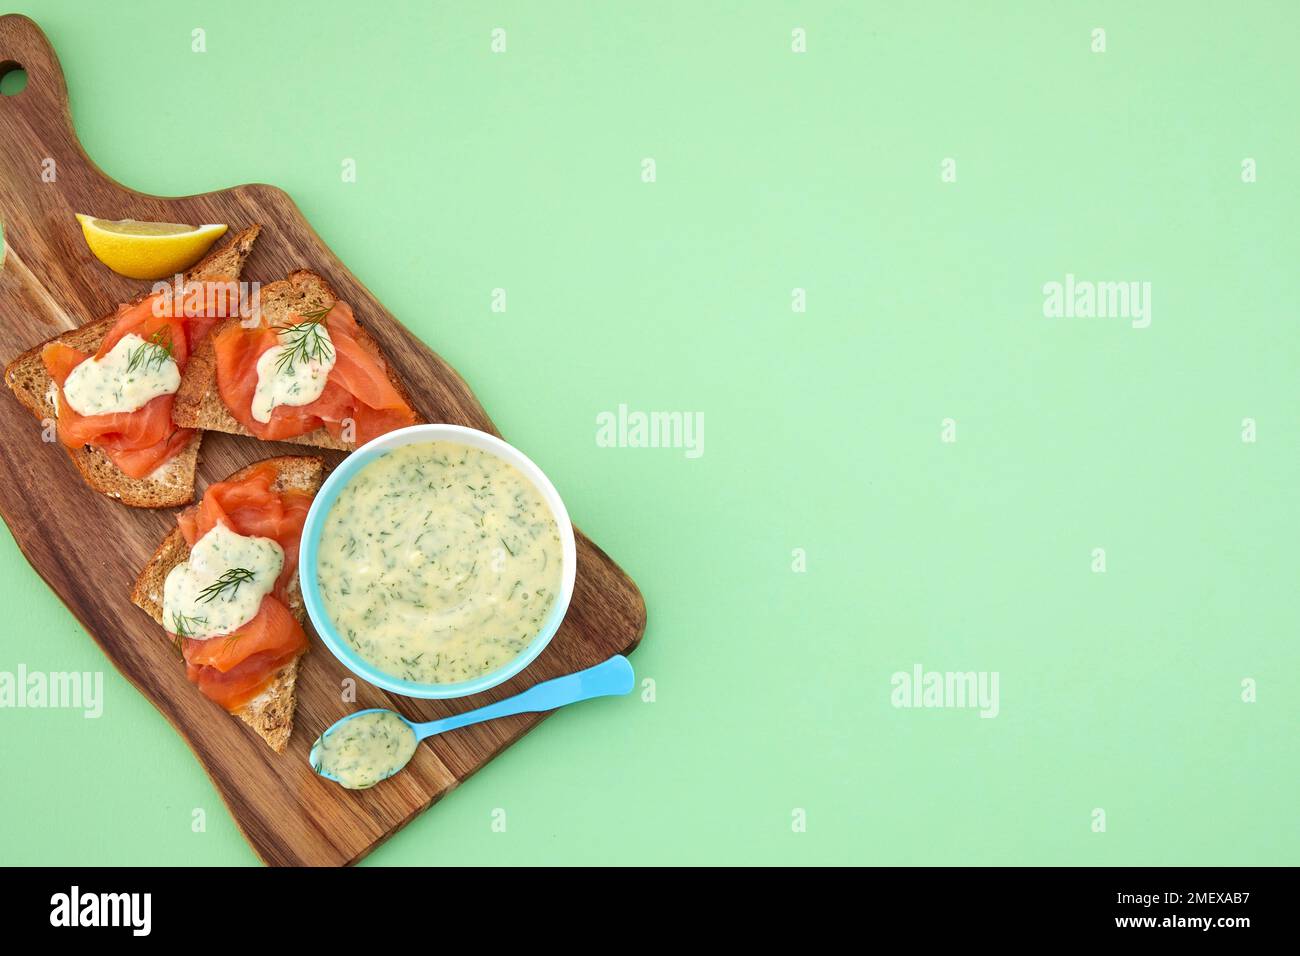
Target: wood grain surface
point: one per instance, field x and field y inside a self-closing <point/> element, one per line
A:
<point x="89" y="549"/>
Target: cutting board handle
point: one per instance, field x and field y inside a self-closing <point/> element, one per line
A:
<point x="40" y="155"/>
<point x="43" y="103"/>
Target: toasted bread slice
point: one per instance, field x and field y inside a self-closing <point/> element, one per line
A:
<point x="171" y="485"/>
<point x="270" y="714"/>
<point x="198" y="402"/>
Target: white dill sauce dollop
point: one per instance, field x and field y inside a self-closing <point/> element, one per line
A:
<point x="439" y="562"/>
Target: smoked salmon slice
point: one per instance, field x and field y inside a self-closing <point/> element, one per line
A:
<point x="251" y="506"/>
<point x="274" y="629"/>
<point x="137" y="442"/>
<point x="234" y="668"/>
<point x="234" y="688"/>
<point x="358" y="389"/>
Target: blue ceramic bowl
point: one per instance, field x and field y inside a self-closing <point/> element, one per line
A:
<point x="328" y="494"/>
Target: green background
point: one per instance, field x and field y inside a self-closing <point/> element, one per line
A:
<point x="777" y="170"/>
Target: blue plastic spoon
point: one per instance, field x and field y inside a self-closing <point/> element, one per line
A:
<point x="364" y="748"/>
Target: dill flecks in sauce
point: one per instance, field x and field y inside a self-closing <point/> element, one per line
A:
<point x="220" y="586"/>
<point x="365" y="750"/>
<point x="295" y="371"/>
<point x="439" y="562"/>
<point x="132" y="374"/>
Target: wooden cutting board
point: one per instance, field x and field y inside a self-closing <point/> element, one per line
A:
<point x="89" y="549"/>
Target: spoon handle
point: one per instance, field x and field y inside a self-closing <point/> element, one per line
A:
<point x="607" y="679"/>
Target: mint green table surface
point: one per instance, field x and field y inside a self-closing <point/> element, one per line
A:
<point x="769" y="735"/>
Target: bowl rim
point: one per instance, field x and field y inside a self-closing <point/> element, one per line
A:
<point x="309" y="546"/>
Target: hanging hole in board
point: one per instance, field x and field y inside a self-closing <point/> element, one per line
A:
<point x="13" y="78"/>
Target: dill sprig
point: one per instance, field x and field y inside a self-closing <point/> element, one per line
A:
<point x="183" y="626"/>
<point x="153" y="353"/>
<point x="231" y="581"/>
<point x="305" y="342"/>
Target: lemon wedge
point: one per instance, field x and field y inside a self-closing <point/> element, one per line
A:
<point x="147" y="250"/>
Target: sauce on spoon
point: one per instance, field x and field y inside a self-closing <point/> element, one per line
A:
<point x="360" y="752"/>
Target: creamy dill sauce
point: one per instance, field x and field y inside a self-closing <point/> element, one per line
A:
<point x="439" y="562"/>
<point x="365" y="750"/>
<point x="132" y="374"/>
<point x="220" y="586"/>
<point x="293" y="372"/>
